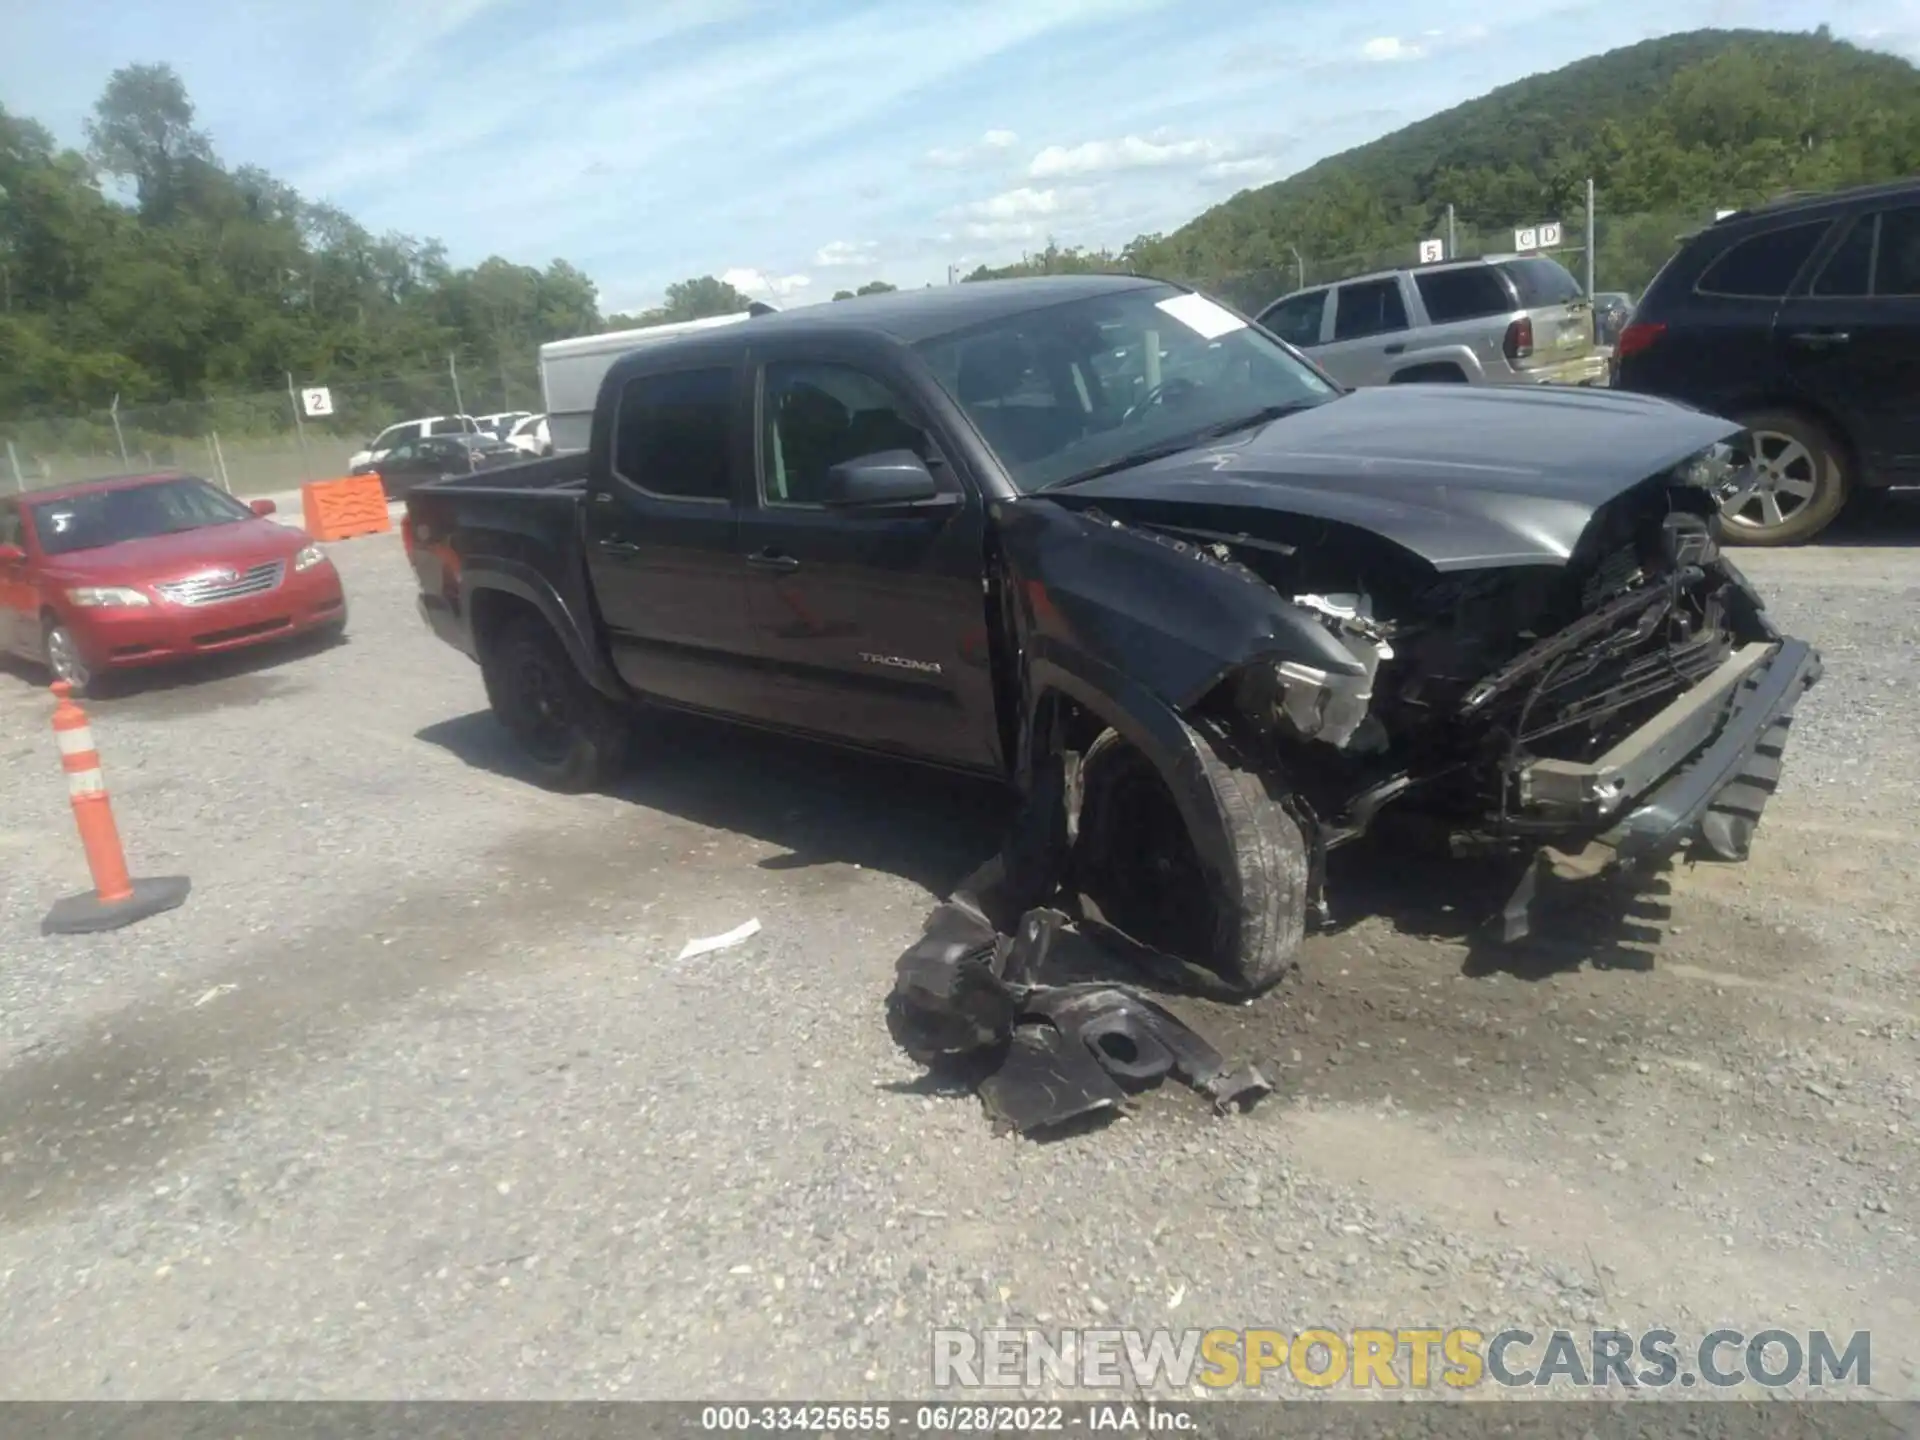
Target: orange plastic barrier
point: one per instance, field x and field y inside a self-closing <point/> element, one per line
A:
<point x="342" y="509"/>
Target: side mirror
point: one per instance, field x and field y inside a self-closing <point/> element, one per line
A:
<point x="11" y="555"/>
<point x="889" y="477"/>
<point x="263" y="507"/>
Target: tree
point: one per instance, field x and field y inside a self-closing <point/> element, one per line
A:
<point x="142" y="130"/>
<point x="872" y="287"/>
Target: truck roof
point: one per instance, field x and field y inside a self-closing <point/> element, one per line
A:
<point x="913" y="315"/>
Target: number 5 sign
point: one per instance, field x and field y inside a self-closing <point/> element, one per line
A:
<point x="1432" y="252"/>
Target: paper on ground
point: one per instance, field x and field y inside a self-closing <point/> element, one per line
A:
<point x="719" y="942"/>
<point x="1200" y="315"/>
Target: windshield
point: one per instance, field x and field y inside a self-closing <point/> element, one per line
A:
<point x="1086" y="385"/>
<point x="98" y="518"/>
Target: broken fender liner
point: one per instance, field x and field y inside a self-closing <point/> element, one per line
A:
<point x="1057" y="1053"/>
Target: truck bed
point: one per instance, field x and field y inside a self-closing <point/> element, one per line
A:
<point x="519" y="523"/>
<point x="554" y="472"/>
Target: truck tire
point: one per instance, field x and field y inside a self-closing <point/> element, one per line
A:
<point x="1808" y="476"/>
<point x="570" y="736"/>
<point x="1134" y="859"/>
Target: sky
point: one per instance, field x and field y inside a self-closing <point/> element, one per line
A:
<point x="797" y="147"/>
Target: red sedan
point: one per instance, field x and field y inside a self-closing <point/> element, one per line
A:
<point x="112" y="575"/>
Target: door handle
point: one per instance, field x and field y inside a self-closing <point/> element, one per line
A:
<point x="1820" y="337"/>
<point x="619" y="547"/>
<point x="770" y="560"/>
<point x="1397" y="347"/>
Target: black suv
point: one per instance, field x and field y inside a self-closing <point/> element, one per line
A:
<point x="1801" y="320"/>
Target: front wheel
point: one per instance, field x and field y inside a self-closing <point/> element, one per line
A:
<point x="1134" y="858"/>
<point x="66" y="661"/>
<point x="571" y="736"/>
<point x="1801" y="482"/>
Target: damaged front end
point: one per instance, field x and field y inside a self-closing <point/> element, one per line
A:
<point x="1621" y="706"/>
<point x="1517" y="672"/>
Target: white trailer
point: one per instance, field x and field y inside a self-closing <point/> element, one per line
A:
<point x="571" y="371"/>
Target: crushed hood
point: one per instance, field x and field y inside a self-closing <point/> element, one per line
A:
<point x="1466" y="477"/>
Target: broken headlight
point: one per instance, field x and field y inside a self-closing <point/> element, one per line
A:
<point x="1319" y="705"/>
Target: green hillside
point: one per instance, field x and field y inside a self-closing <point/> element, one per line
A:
<point x="1668" y="129"/>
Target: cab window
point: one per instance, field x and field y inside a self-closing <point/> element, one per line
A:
<point x="814" y="416"/>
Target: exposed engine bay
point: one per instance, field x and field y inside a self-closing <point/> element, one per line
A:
<point x="1463" y="683"/>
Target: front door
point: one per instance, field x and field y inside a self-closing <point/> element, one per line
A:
<point x="661" y="541"/>
<point x="17" y="598"/>
<point x="1851" y="341"/>
<point x="871" y="623"/>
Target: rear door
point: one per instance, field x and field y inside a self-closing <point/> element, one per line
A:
<point x="662" y="537"/>
<point x="1466" y="308"/>
<point x="1370" y="332"/>
<point x="870" y="623"/>
<point x="1851" y="338"/>
<point x="1561" y="313"/>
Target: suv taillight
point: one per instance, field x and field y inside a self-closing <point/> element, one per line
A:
<point x="1637" y="337"/>
<point x="1519" y="341"/>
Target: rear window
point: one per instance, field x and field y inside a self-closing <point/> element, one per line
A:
<point x="1541" y="282"/>
<point x="1763" y="266"/>
<point x="1470" y="293"/>
<point x="1897" y="271"/>
<point x="673" y="434"/>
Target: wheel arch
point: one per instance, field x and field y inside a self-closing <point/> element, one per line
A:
<point x="1077" y="697"/>
<point x="494" y="591"/>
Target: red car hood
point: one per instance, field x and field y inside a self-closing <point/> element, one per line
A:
<point x="170" y="557"/>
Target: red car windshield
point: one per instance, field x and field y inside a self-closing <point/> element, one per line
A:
<point x="96" y="519"/>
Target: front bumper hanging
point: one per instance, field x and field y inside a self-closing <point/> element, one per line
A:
<point x="1733" y="724"/>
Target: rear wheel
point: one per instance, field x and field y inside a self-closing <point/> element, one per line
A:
<point x="1801" y="482"/>
<point x="571" y="737"/>
<point x="1134" y="858"/>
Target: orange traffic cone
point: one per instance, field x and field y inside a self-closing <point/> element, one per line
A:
<point x="117" y="899"/>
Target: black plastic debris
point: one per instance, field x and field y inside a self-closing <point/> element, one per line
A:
<point x="1051" y="1054"/>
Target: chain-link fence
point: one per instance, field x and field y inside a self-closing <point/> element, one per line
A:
<point x="259" y="442"/>
<point x="1628" y="250"/>
<point x="256" y="443"/>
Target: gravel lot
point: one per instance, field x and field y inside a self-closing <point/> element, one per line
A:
<point x="412" y="1098"/>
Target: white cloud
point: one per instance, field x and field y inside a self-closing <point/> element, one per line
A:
<point x="1391" y="47"/>
<point x="1022" y="204"/>
<point x="1016" y="216"/>
<point x="989" y="147"/>
<point x="1247" y="167"/>
<point x="839" y="254"/>
<point x="763" y="286"/>
<point x="1128" y="153"/>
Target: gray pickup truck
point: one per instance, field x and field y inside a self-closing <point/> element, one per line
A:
<point x="1207" y="610"/>
<point x="1515" y="321"/>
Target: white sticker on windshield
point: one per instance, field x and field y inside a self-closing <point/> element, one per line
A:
<point x="1200" y="315"/>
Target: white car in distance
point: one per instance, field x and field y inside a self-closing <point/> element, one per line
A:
<point x="406" y="430"/>
<point x="531" y="436"/>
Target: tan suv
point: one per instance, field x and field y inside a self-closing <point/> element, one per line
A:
<point x="1517" y="320"/>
